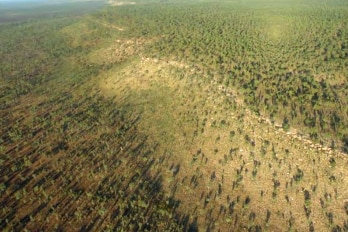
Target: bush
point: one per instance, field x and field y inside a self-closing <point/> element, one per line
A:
<point x="345" y="143"/>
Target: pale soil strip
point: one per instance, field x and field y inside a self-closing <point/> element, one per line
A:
<point x="117" y="3"/>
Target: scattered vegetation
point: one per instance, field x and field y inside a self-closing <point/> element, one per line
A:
<point x="176" y="116"/>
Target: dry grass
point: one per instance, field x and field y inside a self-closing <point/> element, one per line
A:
<point x="228" y="167"/>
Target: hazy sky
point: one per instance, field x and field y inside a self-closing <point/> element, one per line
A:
<point x="27" y="0"/>
<point x="34" y="3"/>
<point x="22" y="0"/>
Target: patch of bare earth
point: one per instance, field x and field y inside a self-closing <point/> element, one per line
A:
<point x="118" y="3"/>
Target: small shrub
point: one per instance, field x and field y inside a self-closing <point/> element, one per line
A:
<point x="298" y="176"/>
<point x="247" y="201"/>
<point x="307" y="211"/>
<point x="268" y="216"/>
<point x="330" y="217"/>
<point x="307" y="197"/>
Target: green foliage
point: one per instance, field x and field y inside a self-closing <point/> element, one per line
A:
<point x="345" y="143"/>
<point x="68" y="152"/>
<point x="298" y="175"/>
<point x="288" y="65"/>
<point x="57" y="134"/>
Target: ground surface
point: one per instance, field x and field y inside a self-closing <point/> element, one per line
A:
<point x="99" y="132"/>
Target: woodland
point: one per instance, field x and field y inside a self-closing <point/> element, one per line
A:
<point x="174" y="116"/>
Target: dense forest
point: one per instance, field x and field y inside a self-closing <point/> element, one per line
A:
<point x="174" y="116"/>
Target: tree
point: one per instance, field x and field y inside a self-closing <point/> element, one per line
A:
<point x="345" y="143"/>
<point x="286" y="125"/>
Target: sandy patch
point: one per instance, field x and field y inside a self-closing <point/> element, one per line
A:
<point x="117" y="3"/>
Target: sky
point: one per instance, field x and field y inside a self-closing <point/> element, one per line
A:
<point x="10" y="1"/>
<point x="6" y="4"/>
